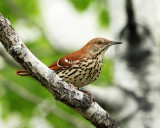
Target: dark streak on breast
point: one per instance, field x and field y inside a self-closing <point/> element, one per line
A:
<point x="72" y="73"/>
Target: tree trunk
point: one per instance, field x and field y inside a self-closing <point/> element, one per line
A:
<point x="137" y="71"/>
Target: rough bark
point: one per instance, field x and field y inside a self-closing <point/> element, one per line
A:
<point x="75" y="99"/>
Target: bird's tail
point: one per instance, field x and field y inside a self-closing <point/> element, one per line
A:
<point x="22" y="73"/>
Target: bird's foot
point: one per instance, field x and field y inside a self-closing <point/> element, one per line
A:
<point x="88" y="93"/>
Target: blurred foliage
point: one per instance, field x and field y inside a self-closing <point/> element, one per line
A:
<point x="17" y="9"/>
<point x="104" y="18"/>
<point x="81" y="5"/>
<point x="100" y="7"/>
<point x="12" y="102"/>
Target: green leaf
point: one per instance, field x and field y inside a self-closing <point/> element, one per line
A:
<point x="104" y="18"/>
<point x="81" y="5"/>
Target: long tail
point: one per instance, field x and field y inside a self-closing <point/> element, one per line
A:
<point x="22" y="73"/>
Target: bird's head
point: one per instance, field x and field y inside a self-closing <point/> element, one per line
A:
<point x="98" y="46"/>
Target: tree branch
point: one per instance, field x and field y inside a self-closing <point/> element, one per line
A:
<point x="75" y="99"/>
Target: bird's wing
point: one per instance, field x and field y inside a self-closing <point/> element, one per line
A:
<point x="60" y="64"/>
<point x="66" y="61"/>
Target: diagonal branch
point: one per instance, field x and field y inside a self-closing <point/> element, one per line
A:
<point x="75" y="99"/>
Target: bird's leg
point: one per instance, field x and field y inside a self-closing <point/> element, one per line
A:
<point x="88" y="93"/>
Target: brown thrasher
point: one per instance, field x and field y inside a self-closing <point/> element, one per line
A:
<point x="81" y="67"/>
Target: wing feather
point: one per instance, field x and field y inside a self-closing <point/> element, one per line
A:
<point x="67" y="61"/>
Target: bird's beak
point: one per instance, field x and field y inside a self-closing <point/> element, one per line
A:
<point x="114" y="43"/>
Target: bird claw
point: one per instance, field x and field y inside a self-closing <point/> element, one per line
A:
<point x="88" y="93"/>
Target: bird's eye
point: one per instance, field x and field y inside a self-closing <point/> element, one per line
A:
<point x="99" y="42"/>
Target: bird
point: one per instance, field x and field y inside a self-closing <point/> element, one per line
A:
<point x="83" y="66"/>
